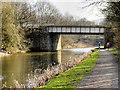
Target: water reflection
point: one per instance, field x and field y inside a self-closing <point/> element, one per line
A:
<point x="18" y="66"/>
<point x="15" y="67"/>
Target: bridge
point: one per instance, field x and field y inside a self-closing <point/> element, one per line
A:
<point x="76" y="29"/>
<point x="48" y="37"/>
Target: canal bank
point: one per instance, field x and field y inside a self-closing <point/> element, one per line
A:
<point x="7" y="53"/>
<point x="72" y="76"/>
<point x="3" y="54"/>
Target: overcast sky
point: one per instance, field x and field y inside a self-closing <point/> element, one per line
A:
<point x="75" y="8"/>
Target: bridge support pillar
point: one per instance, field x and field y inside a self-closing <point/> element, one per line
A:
<point x="45" y="41"/>
<point x="55" y="41"/>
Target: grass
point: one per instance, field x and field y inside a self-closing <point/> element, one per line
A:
<point x="115" y="53"/>
<point x="71" y="77"/>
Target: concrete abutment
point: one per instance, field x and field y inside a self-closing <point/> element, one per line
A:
<point x="45" y="41"/>
<point x="55" y="40"/>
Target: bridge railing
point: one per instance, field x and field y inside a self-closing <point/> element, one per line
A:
<point x="75" y="29"/>
<point x="71" y="29"/>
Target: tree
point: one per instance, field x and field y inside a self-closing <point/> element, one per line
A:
<point x="112" y="12"/>
<point x="46" y="13"/>
<point x="13" y="38"/>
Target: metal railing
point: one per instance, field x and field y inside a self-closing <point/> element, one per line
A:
<point x="56" y="29"/>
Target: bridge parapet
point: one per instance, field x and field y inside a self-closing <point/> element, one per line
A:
<point x="76" y="29"/>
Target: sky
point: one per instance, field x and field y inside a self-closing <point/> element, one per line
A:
<point x="77" y="9"/>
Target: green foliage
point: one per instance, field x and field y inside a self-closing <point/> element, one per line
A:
<point x="71" y="77"/>
<point x="114" y="52"/>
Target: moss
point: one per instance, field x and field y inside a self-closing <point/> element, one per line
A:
<point x="71" y="77"/>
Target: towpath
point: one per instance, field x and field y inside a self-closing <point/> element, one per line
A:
<point x="104" y="75"/>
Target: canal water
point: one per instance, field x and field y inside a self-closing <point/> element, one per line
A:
<point x="17" y="67"/>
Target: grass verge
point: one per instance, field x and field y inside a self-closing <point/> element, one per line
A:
<point x="71" y="77"/>
<point x="115" y="53"/>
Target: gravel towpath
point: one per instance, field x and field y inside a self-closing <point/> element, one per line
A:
<point x="104" y="75"/>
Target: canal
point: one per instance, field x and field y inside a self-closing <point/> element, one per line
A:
<point x="17" y="68"/>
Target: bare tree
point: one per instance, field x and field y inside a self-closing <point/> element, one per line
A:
<point x="46" y="13"/>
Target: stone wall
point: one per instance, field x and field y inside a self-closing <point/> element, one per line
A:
<point x="44" y="41"/>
